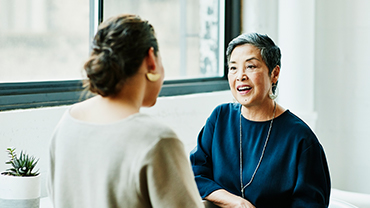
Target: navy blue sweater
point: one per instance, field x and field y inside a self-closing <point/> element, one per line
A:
<point x="293" y="172"/>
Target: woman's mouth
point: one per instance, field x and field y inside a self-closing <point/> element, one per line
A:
<point x="243" y="88"/>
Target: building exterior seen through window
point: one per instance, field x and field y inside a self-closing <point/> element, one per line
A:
<point x="48" y="40"/>
<point x="43" y="40"/>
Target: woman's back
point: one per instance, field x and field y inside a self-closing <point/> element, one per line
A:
<point x="134" y="162"/>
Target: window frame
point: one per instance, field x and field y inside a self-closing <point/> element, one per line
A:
<point x="25" y="95"/>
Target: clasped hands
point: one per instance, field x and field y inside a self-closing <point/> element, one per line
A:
<point x="225" y="199"/>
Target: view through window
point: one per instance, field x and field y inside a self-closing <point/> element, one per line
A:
<point x="43" y="40"/>
<point x="48" y="40"/>
<point x="189" y="32"/>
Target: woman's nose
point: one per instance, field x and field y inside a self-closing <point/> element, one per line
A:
<point x="241" y="76"/>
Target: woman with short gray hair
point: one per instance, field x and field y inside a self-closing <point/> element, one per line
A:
<point x="255" y="153"/>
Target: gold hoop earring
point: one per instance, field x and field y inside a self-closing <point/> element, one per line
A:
<point x="152" y="77"/>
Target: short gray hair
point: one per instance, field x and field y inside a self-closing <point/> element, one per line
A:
<point x="269" y="51"/>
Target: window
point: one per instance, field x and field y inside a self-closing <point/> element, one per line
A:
<point x="188" y="32"/>
<point x="43" y="45"/>
<point x="43" y="40"/>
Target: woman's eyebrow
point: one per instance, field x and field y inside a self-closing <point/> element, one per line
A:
<point x="253" y="58"/>
<point x="250" y="59"/>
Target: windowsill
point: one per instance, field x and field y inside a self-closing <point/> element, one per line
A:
<point x="57" y="93"/>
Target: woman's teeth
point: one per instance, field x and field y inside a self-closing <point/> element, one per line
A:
<point x="244" y="88"/>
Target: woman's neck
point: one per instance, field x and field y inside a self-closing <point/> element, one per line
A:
<point x="262" y="112"/>
<point x="110" y="109"/>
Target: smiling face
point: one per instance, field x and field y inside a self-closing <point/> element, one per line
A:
<point x="249" y="78"/>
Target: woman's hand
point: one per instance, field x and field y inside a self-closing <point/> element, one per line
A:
<point x="225" y="199"/>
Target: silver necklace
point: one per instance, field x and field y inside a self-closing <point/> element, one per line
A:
<point x="242" y="187"/>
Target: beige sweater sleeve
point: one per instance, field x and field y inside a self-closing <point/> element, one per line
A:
<point x="169" y="177"/>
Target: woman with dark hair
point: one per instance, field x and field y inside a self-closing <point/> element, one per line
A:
<point x="254" y="153"/>
<point x="104" y="152"/>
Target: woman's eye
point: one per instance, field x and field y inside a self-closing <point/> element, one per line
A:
<point x="251" y="67"/>
<point x="232" y="69"/>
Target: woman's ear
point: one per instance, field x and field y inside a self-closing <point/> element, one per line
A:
<point x="151" y="60"/>
<point x="275" y="74"/>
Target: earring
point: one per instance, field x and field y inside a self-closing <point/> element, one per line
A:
<point x="152" y="77"/>
<point x="275" y="91"/>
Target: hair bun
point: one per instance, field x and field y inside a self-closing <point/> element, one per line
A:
<point x="119" y="47"/>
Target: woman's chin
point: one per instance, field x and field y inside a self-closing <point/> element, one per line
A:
<point x="244" y="100"/>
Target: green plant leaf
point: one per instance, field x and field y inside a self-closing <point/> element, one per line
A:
<point x="22" y="166"/>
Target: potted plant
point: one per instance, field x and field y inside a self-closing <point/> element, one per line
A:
<point x="20" y="184"/>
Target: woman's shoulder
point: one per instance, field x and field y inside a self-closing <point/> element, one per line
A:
<point x="150" y="123"/>
<point x="139" y="124"/>
<point x="155" y="134"/>
<point x="293" y="125"/>
<point x="224" y="110"/>
<point x="227" y="108"/>
<point x="291" y="120"/>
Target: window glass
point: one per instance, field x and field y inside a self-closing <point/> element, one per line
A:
<point x="43" y="39"/>
<point x="189" y="32"/>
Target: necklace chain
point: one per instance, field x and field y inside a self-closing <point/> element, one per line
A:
<point x="242" y="187"/>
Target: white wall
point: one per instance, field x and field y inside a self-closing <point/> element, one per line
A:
<point x="342" y="100"/>
<point x="31" y="129"/>
<point x="28" y="130"/>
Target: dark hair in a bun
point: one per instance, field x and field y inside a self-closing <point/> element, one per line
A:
<point x="119" y="47"/>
